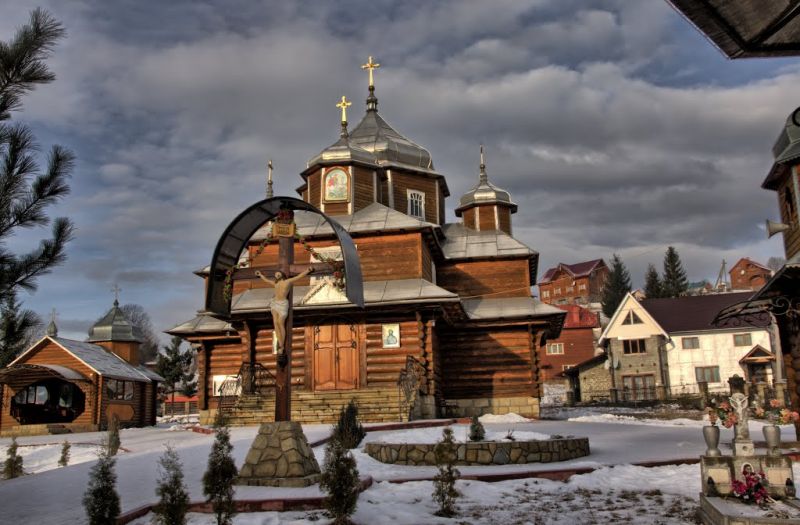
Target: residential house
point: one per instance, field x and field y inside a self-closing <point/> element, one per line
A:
<point x="747" y="274"/>
<point x="577" y="343"/>
<point x="660" y="348"/>
<point x="580" y="283"/>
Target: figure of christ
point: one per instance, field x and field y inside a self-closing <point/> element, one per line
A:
<point x="279" y="306"/>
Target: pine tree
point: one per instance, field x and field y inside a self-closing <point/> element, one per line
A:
<point x="12" y="468"/>
<point x="173" y="500"/>
<point x="617" y="285"/>
<point x="63" y="461"/>
<point x="219" y="477"/>
<point x="476" y="430"/>
<point x="675" y="283"/>
<point x="652" y="283"/>
<point x="101" y="500"/>
<point x="348" y="430"/>
<point x="18" y="328"/>
<point x="112" y="440"/>
<point x="444" y="483"/>
<point x="173" y="365"/>
<point x="25" y="190"/>
<point x="340" y="480"/>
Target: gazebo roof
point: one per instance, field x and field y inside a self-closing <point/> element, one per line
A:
<point x="746" y="28"/>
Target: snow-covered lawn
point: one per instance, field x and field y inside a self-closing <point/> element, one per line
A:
<point x="54" y="496"/>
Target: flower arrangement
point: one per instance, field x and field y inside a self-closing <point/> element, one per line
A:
<point x="777" y="413"/>
<point x="724" y="413"/>
<point x="751" y="490"/>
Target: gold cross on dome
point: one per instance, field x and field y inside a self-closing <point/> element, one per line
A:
<point x="370" y="65"/>
<point x="116" y="289"/>
<point x="344" y="104"/>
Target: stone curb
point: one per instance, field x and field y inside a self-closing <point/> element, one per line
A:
<point x="247" y="505"/>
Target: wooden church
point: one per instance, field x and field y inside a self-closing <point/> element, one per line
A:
<point x="449" y="326"/>
<point x="61" y="385"/>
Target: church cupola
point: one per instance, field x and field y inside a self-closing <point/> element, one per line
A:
<point x="117" y="335"/>
<point x="485" y="206"/>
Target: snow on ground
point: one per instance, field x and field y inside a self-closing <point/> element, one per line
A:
<point x="54" y="496"/>
<point x="511" y="417"/>
<point x="460" y="433"/>
<point x="38" y="458"/>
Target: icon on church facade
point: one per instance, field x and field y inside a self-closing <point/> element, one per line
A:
<point x="336" y="186"/>
<point x="391" y="335"/>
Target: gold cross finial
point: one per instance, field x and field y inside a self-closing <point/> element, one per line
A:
<point x="370" y="65"/>
<point x="344" y="104"/>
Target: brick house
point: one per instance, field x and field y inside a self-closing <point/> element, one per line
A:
<point x="663" y="347"/>
<point x="577" y="343"/>
<point x="580" y="283"/>
<point x="747" y="274"/>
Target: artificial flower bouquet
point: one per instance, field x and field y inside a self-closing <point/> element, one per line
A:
<point x="778" y="414"/>
<point x="724" y="413"/>
<point x="751" y="490"/>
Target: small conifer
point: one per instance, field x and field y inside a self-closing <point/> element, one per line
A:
<point x="444" y="483"/>
<point x="13" y="465"/>
<point x="674" y="283"/>
<point x="340" y="480"/>
<point x="348" y="430"/>
<point x="113" y="441"/>
<point x="617" y="285"/>
<point x="101" y="500"/>
<point x="63" y="461"/>
<point x="173" y="500"/>
<point x="476" y="430"/>
<point x="219" y="477"/>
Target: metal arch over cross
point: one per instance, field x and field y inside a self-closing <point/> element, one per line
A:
<point x="235" y="239"/>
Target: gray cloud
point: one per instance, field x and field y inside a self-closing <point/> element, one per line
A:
<point x="613" y="124"/>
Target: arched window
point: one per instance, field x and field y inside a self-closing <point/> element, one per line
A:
<point x="416" y="204"/>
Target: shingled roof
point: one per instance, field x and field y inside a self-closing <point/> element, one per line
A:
<point x="581" y="269"/>
<point x="692" y="313"/>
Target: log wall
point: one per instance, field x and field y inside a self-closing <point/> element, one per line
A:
<point x="402" y="182"/>
<point x="488" y="363"/>
<point x="497" y="278"/>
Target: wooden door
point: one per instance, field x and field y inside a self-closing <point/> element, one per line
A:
<point x="336" y="360"/>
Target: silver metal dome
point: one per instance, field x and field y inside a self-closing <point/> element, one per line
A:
<point x="484" y="193"/>
<point x="114" y="326"/>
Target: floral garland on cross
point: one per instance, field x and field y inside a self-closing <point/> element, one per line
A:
<point x="286" y="216"/>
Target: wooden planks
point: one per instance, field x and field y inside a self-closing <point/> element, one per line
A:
<point x="496" y="279"/>
<point x="402" y="182"/>
<point x="363" y="188"/>
<point x="504" y="218"/>
<point x="486" y="220"/>
<point x="493" y="363"/>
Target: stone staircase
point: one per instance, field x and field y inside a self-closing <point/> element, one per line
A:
<point x="374" y="405"/>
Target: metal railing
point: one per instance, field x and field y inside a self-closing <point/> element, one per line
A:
<point x="252" y="378"/>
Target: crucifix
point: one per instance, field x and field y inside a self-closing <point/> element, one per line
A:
<point x="285" y="275"/>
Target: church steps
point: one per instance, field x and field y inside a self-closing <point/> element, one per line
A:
<point x="375" y="405"/>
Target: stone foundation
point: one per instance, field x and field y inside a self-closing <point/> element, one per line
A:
<point x="524" y="405"/>
<point x="46" y="428"/>
<point x="483" y="452"/>
<point x="724" y="469"/>
<point x="718" y="511"/>
<point x="279" y="457"/>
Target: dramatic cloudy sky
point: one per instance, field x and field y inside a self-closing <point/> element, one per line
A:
<point x="614" y="124"/>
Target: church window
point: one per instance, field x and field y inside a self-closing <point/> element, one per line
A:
<point x="632" y="318"/>
<point x="119" y="390"/>
<point x="416" y="204"/>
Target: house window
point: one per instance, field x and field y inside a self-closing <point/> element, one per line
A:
<point x="555" y="349"/>
<point x="634" y="346"/>
<point x="632" y="318"/>
<point x="742" y="340"/>
<point x="119" y="390"/>
<point x="690" y="343"/>
<point x="706" y="374"/>
<point x="557" y="291"/>
<point x="416" y="204"/>
<point x="582" y="286"/>
<point x="545" y="294"/>
<point x="566" y="367"/>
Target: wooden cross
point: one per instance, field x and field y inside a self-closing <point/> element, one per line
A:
<point x="283" y="376"/>
<point x="370" y="65"/>
<point x="116" y="289"/>
<point x="344" y="104"/>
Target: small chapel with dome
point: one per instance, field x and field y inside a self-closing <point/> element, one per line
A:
<point x="449" y="326"/>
